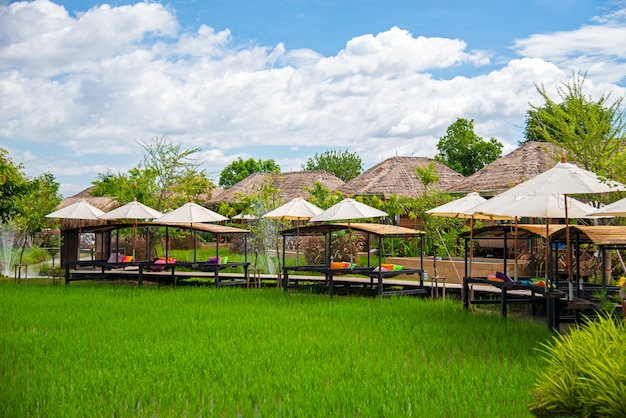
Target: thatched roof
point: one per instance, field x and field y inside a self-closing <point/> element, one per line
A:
<point x="291" y="184"/>
<point x="396" y="175"/>
<point x="104" y="203"/>
<point x="520" y="165"/>
<point x="604" y="235"/>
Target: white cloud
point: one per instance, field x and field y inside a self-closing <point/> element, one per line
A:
<point x="597" y="49"/>
<point x="103" y="81"/>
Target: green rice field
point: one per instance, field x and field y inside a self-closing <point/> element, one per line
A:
<point x="104" y="349"/>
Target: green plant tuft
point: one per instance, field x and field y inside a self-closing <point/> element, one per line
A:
<point x="585" y="373"/>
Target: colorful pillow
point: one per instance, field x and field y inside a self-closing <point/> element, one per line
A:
<point x="115" y="258"/>
<point x="504" y="277"/>
<point x="339" y="265"/>
<point x="127" y="259"/>
<point x="217" y="260"/>
<point x="397" y="267"/>
<point x="161" y="260"/>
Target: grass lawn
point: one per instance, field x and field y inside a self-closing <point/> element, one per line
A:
<point x="101" y="349"/>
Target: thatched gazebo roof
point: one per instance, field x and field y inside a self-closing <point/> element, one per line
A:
<point x="291" y="184"/>
<point x="525" y="162"/>
<point x="396" y="175"/>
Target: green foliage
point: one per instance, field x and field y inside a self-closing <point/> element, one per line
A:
<point x="590" y="132"/>
<point x="343" y="164"/>
<point x="97" y="350"/>
<point x="427" y="175"/>
<point x="240" y="169"/>
<point x="43" y="190"/>
<point x="321" y="196"/>
<point x="585" y="373"/>
<point x="167" y="178"/>
<point x="13" y="186"/>
<point x="464" y="151"/>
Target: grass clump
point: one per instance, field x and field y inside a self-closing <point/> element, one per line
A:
<point x="107" y="350"/>
<point x="586" y="372"/>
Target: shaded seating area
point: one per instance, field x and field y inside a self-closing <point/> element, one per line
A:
<point x="506" y="286"/>
<point x="373" y="274"/>
<point x="590" y="281"/>
<point x="566" y="299"/>
<point x="110" y="263"/>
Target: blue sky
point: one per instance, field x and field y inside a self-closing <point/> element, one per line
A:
<point x="83" y="82"/>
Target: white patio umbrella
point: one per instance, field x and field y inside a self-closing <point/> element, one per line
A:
<point x="614" y="209"/>
<point x="243" y="216"/>
<point x="134" y="211"/>
<point x="297" y="209"/>
<point x="457" y="208"/>
<point x="78" y="210"/>
<point x="348" y="209"/>
<point x="463" y="208"/>
<point x="190" y="213"/>
<point x="534" y="206"/>
<point x="81" y="210"/>
<point x="565" y="178"/>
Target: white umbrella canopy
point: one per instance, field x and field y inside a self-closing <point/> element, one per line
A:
<point x="243" y="216"/>
<point x="457" y="208"/>
<point x="614" y="209"/>
<point x="295" y="210"/>
<point x="349" y="209"/>
<point x="191" y="213"/>
<point x="132" y="210"/>
<point x="78" y="210"/>
<point x="565" y="178"/>
<point x="533" y="206"/>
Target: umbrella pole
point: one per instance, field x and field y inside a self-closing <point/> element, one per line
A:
<point x="194" y="244"/>
<point x="515" y="269"/>
<point x="568" y="254"/>
<point x="547" y="254"/>
<point x="471" y="248"/>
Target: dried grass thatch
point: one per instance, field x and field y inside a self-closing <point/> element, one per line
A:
<point x="396" y="175"/>
<point x="291" y="184"/>
<point x="520" y="165"/>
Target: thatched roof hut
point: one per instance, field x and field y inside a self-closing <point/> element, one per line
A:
<point x="520" y="165"/>
<point x="291" y="184"/>
<point x="396" y="175"/>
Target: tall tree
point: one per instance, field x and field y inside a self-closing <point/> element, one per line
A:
<point x="167" y="177"/>
<point x="240" y="169"/>
<point x="343" y="164"/>
<point x="171" y="165"/>
<point x="45" y="191"/>
<point x="464" y="151"/>
<point x="13" y="185"/>
<point x="590" y="132"/>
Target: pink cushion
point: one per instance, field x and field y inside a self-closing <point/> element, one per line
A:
<point x="115" y="258"/>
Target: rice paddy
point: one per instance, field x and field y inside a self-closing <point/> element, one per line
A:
<point x="111" y="350"/>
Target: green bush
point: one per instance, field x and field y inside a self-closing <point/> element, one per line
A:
<point x="586" y="372"/>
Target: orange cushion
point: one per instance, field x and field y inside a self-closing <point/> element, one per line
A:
<point x="339" y="265"/>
